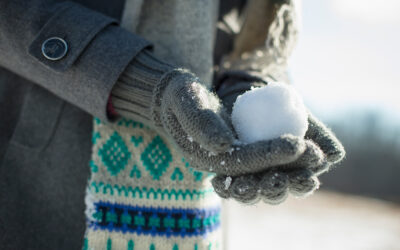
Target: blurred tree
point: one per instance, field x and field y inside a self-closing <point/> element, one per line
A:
<point x="372" y="165"/>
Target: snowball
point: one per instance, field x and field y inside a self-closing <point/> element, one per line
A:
<point x="269" y="112"/>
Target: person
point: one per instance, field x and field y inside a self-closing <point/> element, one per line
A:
<point x="143" y="164"/>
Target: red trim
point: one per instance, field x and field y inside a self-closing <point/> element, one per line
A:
<point x="111" y="113"/>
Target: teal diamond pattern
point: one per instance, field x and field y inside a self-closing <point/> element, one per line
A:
<point x="114" y="154"/>
<point x="177" y="175"/>
<point x="95" y="136"/>
<point x="97" y="121"/>
<point x="156" y="158"/>
<point x="135" y="172"/>
<point x="137" y="140"/>
<point x="93" y="167"/>
<point x="198" y="176"/>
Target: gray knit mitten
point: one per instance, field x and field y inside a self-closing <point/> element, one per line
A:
<point x="299" y="178"/>
<point x="173" y="101"/>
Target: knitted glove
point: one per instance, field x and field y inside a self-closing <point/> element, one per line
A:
<point x="174" y="102"/>
<point x="299" y="178"/>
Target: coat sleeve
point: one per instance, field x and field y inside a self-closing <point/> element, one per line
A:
<point x="97" y="49"/>
<point x="263" y="44"/>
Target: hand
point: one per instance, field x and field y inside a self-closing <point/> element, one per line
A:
<point x="299" y="178"/>
<point x="274" y="185"/>
<point x="176" y="104"/>
<point x="199" y="125"/>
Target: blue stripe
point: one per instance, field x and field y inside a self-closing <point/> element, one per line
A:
<point x="187" y="222"/>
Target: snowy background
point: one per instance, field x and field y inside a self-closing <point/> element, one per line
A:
<point x="346" y="67"/>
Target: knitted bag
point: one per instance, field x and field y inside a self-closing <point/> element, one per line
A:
<point x="142" y="194"/>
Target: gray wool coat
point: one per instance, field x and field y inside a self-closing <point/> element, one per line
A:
<point x="46" y="110"/>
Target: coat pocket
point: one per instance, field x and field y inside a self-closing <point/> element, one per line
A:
<point x="38" y="119"/>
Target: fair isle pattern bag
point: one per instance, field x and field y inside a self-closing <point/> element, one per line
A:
<point x="142" y="194"/>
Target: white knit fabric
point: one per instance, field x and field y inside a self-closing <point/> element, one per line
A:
<point x="134" y="167"/>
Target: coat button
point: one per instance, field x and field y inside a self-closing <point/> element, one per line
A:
<point x="54" y="48"/>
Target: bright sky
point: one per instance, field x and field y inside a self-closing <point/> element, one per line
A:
<point x="347" y="56"/>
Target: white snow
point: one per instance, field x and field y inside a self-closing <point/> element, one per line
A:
<point x="210" y="153"/>
<point x="269" y="112"/>
<point x="326" y="220"/>
<point x="228" y="182"/>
